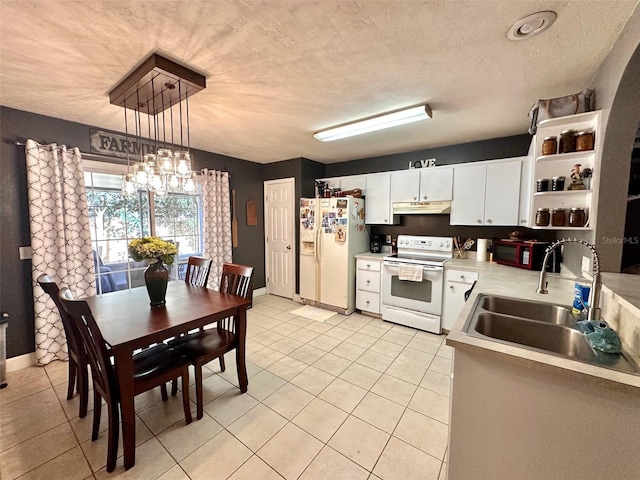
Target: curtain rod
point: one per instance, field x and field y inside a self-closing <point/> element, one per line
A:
<point x="120" y="161"/>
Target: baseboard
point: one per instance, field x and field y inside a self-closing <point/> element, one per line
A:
<point x="21" y="361"/>
<point x="259" y="291"/>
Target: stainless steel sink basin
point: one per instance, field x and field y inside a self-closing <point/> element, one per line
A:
<point x="543" y="312"/>
<point x="538" y="326"/>
<point x="544" y="336"/>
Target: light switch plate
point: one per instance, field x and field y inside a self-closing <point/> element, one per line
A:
<point x="586" y="264"/>
<point x="25" y="253"/>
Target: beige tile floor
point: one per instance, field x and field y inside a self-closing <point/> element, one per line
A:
<point x="351" y="398"/>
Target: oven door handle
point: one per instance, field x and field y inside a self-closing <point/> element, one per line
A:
<point x="431" y="268"/>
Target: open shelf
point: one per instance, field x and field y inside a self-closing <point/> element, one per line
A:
<point x="561" y="164"/>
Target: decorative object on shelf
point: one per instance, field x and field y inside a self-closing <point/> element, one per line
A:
<point x="578" y="176"/>
<point x="157" y="85"/>
<point x="560" y="107"/>
<point x="516" y="235"/>
<point x="156" y="252"/>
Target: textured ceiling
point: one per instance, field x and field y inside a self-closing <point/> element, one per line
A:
<point x="278" y="70"/>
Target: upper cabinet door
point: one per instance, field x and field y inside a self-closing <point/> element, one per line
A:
<point x="502" y="196"/>
<point x="467" y="207"/>
<point x="405" y="186"/>
<point x="378" y="201"/>
<point x="436" y="184"/>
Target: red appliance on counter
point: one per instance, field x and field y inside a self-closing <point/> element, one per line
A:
<point x="527" y="254"/>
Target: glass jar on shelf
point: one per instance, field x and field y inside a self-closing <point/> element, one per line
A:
<point x="584" y="141"/>
<point x="558" y="217"/>
<point x="577" y="217"/>
<point x="567" y="141"/>
<point x="542" y="217"/>
<point x="549" y="146"/>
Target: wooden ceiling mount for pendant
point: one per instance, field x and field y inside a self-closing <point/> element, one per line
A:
<point x="157" y="76"/>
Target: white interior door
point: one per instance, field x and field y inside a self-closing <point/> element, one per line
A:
<point x="280" y="248"/>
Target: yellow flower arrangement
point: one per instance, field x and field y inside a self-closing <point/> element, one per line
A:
<point x="152" y="248"/>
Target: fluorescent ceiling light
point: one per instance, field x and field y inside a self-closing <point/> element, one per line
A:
<point x="387" y="120"/>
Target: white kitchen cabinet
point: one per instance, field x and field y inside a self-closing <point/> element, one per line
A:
<point x="457" y="282"/>
<point x="405" y="186"/>
<point x="487" y="193"/>
<point x="436" y="184"/>
<point x="502" y="193"/>
<point x="378" y="204"/>
<point x="421" y="185"/>
<point x="368" y="282"/>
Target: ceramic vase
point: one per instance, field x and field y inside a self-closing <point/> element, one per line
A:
<point x="156" y="277"/>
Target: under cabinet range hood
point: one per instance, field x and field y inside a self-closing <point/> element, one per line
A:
<point x="421" y="208"/>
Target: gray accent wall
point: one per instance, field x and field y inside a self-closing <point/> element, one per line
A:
<point x="617" y="86"/>
<point x="16" y="289"/>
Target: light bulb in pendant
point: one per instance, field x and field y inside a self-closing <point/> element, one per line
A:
<point x="141" y="175"/>
<point x="156" y="182"/>
<point x="174" y="182"/>
<point x="129" y="185"/>
<point x="189" y="185"/>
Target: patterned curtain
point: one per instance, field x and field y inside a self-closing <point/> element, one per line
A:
<point x="60" y="238"/>
<point x="217" y="222"/>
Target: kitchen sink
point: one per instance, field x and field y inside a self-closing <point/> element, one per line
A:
<point x="538" y="326"/>
<point x="544" y="336"/>
<point x="542" y="312"/>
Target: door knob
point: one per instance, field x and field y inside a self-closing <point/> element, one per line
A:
<point x="288" y="247"/>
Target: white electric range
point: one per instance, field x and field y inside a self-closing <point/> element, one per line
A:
<point x="408" y="297"/>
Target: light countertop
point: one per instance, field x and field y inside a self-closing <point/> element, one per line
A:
<point x="372" y="256"/>
<point x="513" y="282"/>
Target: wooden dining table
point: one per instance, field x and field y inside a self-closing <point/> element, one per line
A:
<point x="127" y="323"/>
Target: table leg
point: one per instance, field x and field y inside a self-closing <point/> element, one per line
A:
<point x="124" y="370"/>
<point x="241" y="326"/>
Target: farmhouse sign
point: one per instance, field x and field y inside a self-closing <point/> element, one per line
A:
<point x="115" y="144"/>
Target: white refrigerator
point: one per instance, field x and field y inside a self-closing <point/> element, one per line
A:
<point x="332" y="231"/>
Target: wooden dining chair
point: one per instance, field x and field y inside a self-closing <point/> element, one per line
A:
<point x="198" y="269"/>
<point x="78" y="360"/>
<point x="206" y="345"/>
<point x="152" y="367"/>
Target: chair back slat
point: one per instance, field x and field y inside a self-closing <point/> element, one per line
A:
<point x="235" y="280"/>
<point x="198" y="271"/>
<point x="102" y="371"/>
<point x="74" y="340"/>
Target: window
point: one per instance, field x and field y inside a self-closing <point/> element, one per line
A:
<point x="117" y="218"/>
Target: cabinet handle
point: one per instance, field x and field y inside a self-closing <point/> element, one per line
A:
<point x="424" y="197"/>
<point x="385" y="220"/>
<point x="368" y="282"/>
<point x="489" y="220"/>
<point x="451" y="287"/>
<point x="415" y="198"/>
<point x="479" y="221"/>
<point x="461" y="277"/>
<point x="368" y="265"/>
<point x="367" y="302"/>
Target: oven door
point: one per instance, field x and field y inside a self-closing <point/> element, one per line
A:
<point x="424" y="296"/>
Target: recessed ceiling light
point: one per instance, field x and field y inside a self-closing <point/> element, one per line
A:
<point x="531" y="25"/>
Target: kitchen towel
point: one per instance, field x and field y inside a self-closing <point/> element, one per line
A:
<point x="481" y="253"/>
<point x="413" y="273"/>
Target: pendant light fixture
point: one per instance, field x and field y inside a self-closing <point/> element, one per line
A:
<point x="378" y="122"/>
<point x="157" y="93"/>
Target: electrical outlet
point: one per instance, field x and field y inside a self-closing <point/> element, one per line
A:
<point x="25" y="253"/>
<point x="586" y="264"/>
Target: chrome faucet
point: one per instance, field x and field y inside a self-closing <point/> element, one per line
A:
<point x="593" y="312"/>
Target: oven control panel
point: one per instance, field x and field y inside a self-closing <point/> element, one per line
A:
<point x="433" y="244"/>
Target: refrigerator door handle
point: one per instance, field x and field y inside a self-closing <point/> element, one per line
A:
<point x="316" y="249"/>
